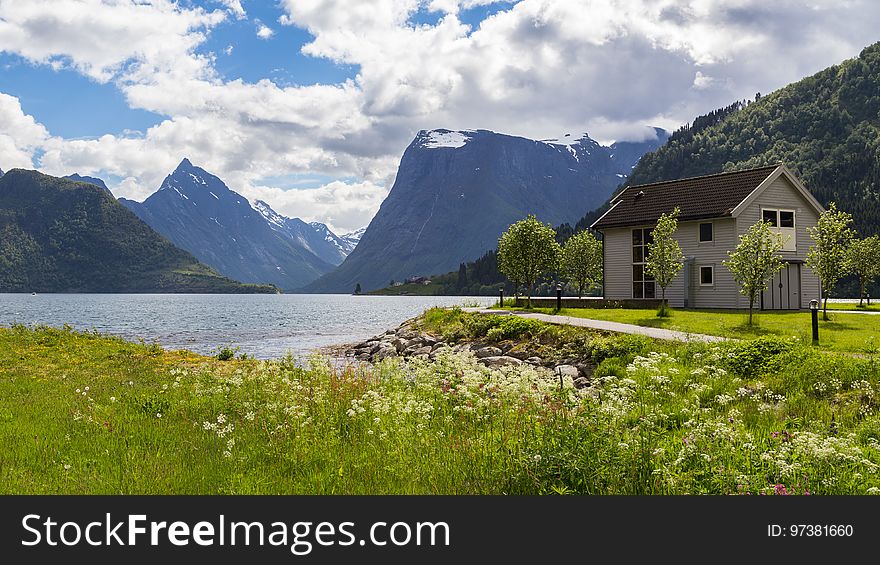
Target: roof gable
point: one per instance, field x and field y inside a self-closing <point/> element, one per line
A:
<point x="710" y="196"/>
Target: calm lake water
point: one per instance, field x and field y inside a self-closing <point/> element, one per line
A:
<point x="263" y="325"/>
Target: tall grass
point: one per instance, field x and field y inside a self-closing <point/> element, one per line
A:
<point x="81" y="413"/>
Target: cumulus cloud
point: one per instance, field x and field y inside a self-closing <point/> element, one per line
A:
<point x="20" y="135"/>
<point x="264" y="32"/>
<point x="536" y="68"/>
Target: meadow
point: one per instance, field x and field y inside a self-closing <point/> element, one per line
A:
<point x="85" y="413"/>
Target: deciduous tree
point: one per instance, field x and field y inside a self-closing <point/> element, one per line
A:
<point x="827" y="256"/>
<point x="582" y="261"/>
<point x="527" y="250"/>
<point x="665" y="258"/>
<point x="755" y="260"/>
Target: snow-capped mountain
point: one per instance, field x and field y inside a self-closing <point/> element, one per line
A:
<point x="457" y="191"/>
<point x="199" y="213"/>
<point x="353" y="238"/>
<point x="315" y="237"/>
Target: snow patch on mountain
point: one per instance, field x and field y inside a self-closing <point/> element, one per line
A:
<point x="440" y="138"/>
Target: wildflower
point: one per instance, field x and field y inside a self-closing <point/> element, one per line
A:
<point x="112" y="399"/>
<point x="158" y="414"/>
<point x="78" y="391"/>
<point x="66" y="467"/>
<point x="86" y="389"/>
<point x="537" y="458"/>
<point x="874" y="490"/>
<point x="250" y="416"/>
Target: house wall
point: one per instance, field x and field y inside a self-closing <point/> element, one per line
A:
<point x="782" y="194"/>
<point x="724" y="293"/>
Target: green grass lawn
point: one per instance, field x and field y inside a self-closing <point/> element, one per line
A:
<point x="844" y="332"/>
<point x="874" y="307"/>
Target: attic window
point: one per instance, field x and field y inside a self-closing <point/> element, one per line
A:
<point x="783" y="223"/>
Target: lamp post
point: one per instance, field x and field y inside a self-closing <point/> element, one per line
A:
<point x="558" y="297"/>
<point x="814" y="313"/>
<point x="501" y="297"/>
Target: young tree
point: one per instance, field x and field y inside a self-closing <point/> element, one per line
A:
<point x="357" y="288"/>
<point x="665" y="258"/>
<point x="827" y="256"/>
<point x="527" y="250"/>
<point x="863" y="261"/>
<point x="754" y="261"/>
<point x="582" y="261"/>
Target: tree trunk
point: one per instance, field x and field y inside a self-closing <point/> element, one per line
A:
<point x="529" y="299"/>
<point x="861" y="291"/>
<point x="751" y="306"/>
<point x="825" y="309"/>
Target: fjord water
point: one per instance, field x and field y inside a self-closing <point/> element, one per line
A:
<point x="262" y="325"/>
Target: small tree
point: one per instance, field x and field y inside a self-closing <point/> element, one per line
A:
<point x="527" y="250"/>
<point x="582" y="261"/>
<point x="754" y="261"/>
<point x="863" y="261"/>
<point x="357" y="288"/>
<point x="827" y="256"/>
<point x="665" y="258"/>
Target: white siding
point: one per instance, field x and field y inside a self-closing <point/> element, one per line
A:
<point x="618" y="263"/>
<point x="781" y="194"/>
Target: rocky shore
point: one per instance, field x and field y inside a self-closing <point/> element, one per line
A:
<point x="409" y="341"/>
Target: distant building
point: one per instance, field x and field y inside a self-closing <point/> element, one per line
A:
<point x="715" y="211"/>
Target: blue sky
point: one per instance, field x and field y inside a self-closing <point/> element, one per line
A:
<point x="312" y="113"/>
<point x="74" y="106"/>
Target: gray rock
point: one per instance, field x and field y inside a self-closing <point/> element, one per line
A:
<point x="428" y="339"/>
<point x="534" y="360"/>
<point x="581" y="382"/>
<point x="363" y="357"/>
<point x="385" y="352"/>
<point x="438" y="345"/>
<point x="424" y="350"/>
<point x="487" y="352"/>
<point x="567" y="371"/>
<point x="500" y="361"/>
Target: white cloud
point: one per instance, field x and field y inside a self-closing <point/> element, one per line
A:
<point x="264" y="32"/>
<point x="20" y="135"/>
<point x="344" y="207"/>
<point x="536" y="68"/>
<point x="234" y="6"/>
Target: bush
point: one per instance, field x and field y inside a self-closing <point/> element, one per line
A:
<point x="612" y="366"/>
<point x="756" y="357"/>
<point x="226" y="353"/>
<point x="511" y="327"/>
<point x="624" y="346"/>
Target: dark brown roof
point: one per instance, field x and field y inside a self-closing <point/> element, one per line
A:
<point x="710" y="196"/>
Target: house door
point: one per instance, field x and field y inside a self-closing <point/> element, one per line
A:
<point x="784" y="292"/>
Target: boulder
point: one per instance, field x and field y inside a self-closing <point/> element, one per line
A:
<point x="424" y="350"/>
<point x="534" y="360"/>
<point x="567" y="371"/>
<point x="487" y="352"/>
<point x="428" y="339"/>
<point x="500" y="361"/>
<point x="385" y="352"/>
<point x="581" y="382"/>
<point x="438" y="345"/>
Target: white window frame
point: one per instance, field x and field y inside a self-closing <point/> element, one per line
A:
<point x="789" y="234"/>
<point x="700" y="274"/>
<point x="699" y="224"/>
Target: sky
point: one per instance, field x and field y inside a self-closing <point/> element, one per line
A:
<point x="309" y="104"/>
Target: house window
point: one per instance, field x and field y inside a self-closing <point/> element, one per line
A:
<point x="707" y="275"/>
<point x="783" y="223"/>
<point x="643" y="283"/>
<point x="706" y="234"/>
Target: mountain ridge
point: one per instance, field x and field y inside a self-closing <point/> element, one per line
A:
<point x="60" y="235"/>
<point x="457" y="190"/>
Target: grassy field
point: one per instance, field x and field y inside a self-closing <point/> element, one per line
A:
<point x="854" y="333"/>
<point x="82" y="413"/>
